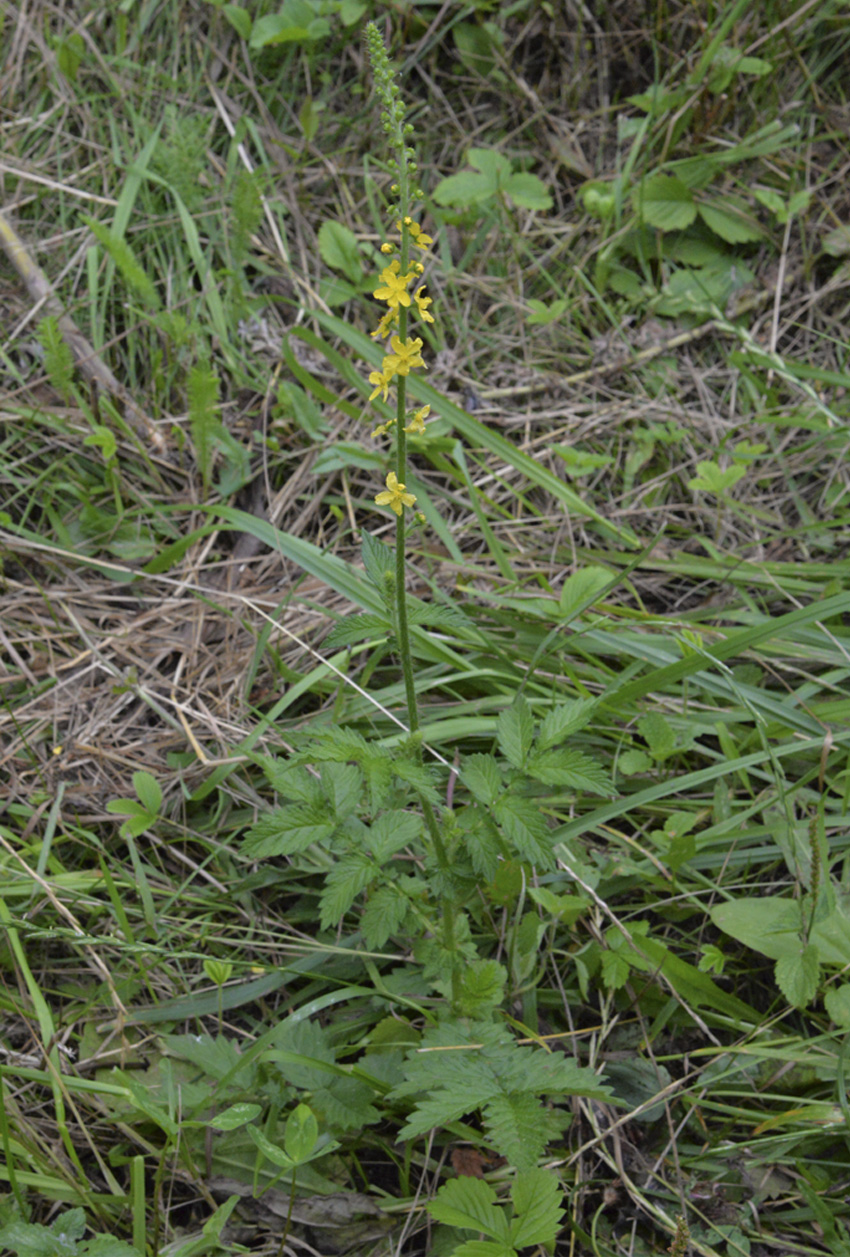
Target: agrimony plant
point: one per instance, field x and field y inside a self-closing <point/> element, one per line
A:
<point x="352" y="808"/>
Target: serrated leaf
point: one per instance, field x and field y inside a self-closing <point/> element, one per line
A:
<point x="287" y="830"/>
<point x="292" y="781"/>
<point x="342" y="785"/>
<point x="731" y="221"/>
<point x="418" y="776"/>
<point x="466" y="188"/>
<point x="798" y="975"/>
<point x="358" y="628"/>
<point x="615" y="970"/>
<point x="562" y="721"/>
<point x="665" y="202"/>
<point x="379" y="562"/>
<point x="515" y="730"/>
<point x="346" y="1104"/>
<point x="348" y="877"/>
<point x="537" y="1196"/>
<point x="484" y="1248"/>
<point x="481" y="843"/>
<point x="528" y="191"/>
<point x="482" y="987"/>
<point x="515" y="1126"/>
<point x="469" y="1203"/>
<point x="563" y="766"/>
<point x="524" y="825"/>
<point x="658" y="734"/>
<point x="481" y="775"/>
<point x="383" y="916"/>
<point x="391" y="832"/>
<point x="491" y="163"/>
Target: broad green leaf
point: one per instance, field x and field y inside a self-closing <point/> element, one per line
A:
<point x="528" y="191"/>
<point x="239" y="19"/>
<point x="466" y="188"/>
<point x="515" y="730"/>
<point x="391" y="832"/>
<point x="482" y="987"/>
<point x="358" y="628"/>
<point x="286" y="830"/>
<point x="301" y="1133"/>
<point x="482" y="776"/>
<point x="348" y="877"/>
<point x="665" y="202"/>
<point x="148" y="789"/>
<point x="340" y="250"/>
<point x="537" y="1196"/>
<point x="581" y="590"/>
<point x="515" y="1122"/>
<point x="383" y="915"/>
<point x="524" y="825"/>
<point x="837" y="1004"/>
<point x="234" y="1117"/>
<point x="270" y="1150"/>
<point x="469" y="1203"/>
<point x="798" y="975"/>
<point x="484" y="1248"/>
<point x="562" y="721"/>
<point x="569" y="769"/>
<point x="731" y="220"/>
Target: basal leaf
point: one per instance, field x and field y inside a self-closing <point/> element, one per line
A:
<point x="339" y="249"/>
<point x="665" y="202"/>
<point x="731" y="220"/>
<point x="537" y="1196"/>
<point x="469" y="1203"/>
<point x="528" y="191"/>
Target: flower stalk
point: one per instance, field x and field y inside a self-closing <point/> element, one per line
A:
<point x="403" y="355"/>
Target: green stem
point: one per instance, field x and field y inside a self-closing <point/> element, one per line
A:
<point x="403" y="630"/>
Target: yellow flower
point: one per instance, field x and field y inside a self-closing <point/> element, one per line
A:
<point x="381" y="381"/>
<point x="382" y="428"/>
<point x="405" y="356"/>
<point x="394" y="290"/>
<point x="386" y="248"/>
<point x="394" y="495"/>
<point x="417" y="424"/>
<point x="417" y="235"/>
<point x="386" y="323"/>
<point x="422" y="304"/>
